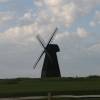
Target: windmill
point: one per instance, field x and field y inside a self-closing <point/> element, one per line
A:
<point x="50" y="66"/>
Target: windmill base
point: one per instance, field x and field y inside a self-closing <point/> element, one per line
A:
<point x="50" y="73"/>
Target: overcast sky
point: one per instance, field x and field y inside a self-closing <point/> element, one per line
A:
<point x="78" y="36"/>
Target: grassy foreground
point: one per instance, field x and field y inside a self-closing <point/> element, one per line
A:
<point x="30" y="87"/>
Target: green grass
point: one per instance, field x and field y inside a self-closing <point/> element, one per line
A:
<point x="30" y="87"/>
<point x="71" y="99"/>
<point x="77" y="99"/>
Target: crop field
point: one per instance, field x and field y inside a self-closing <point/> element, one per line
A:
<point x="36" y="87"/>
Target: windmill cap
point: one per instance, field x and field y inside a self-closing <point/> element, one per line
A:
<point x="52" y="48"/>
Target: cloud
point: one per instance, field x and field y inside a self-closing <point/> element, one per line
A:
<point x="19" y="33"/>
<point x="94" y="48"/>
<point x="5" y="17"/>
<point x="56" y="12"/>
<point x="63" y="13"/>
<point x="24" y="34"/>
<point x="82" y="33"/>
<point x="27" y="17"/>
<point x="96" y="20"/>
<point x="93" y="24"/>
<point x="4" y="1"/>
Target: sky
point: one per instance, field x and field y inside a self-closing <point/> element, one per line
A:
<point x="78" y="36"/>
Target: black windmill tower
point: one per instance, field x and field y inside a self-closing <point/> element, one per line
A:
<point x="50" y="66"/>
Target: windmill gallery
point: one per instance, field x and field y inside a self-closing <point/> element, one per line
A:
<point x="50" y="66"/>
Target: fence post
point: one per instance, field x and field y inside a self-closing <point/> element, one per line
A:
<point x="49" y="95"/>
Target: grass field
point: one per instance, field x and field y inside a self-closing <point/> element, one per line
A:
<point x="59" y="99"/>
<point x="30" y="87"/>
<point x="75" y="99"/>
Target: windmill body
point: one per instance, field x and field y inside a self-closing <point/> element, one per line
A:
<point x="51" y="67"/>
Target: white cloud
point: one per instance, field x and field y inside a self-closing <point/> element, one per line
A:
<point x="53" y="2"/>
<point x="5" y="17"/>
<point x="92" y="23"/>
<point x="61" y="35"/>
<point x="96" y="20"/>
<point x="38" y="3"/>
<point x="82" y="33"/>
<point x="86" y="6"/>
<point x="28" y="16"/>
<point x="94" y="48"/>
<point x="3" y="1"/>
<point x="56" y="12"/>
<point x="25" y="33"/>
<point x="62" y="13"/>
<point x="20" y="33"/>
